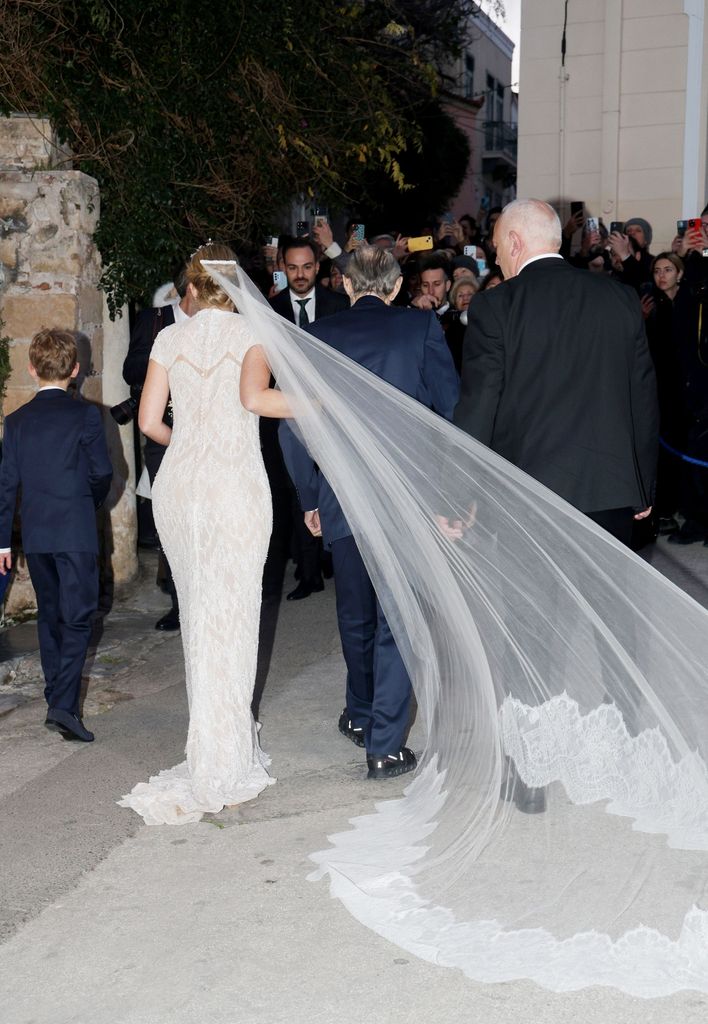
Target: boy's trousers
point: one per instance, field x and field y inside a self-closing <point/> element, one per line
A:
<point x="66" y="585"/>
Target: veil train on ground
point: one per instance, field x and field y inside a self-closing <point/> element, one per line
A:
<point x="538" y="638"/>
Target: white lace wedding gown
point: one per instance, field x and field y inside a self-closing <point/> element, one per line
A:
<point x="213" y="512"/>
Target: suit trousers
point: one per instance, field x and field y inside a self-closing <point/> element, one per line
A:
<point x="66" y="585"/>
<point x="154" y="454"/>
<point x="378" y="687"/>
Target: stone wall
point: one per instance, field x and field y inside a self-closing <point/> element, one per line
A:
<point x="49" y="273"/>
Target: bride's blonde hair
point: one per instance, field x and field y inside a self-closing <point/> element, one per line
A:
<point x="209" y="293"/>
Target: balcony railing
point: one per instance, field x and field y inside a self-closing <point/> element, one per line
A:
<point x="501" y="137"/>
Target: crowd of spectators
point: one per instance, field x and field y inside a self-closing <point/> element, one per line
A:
<point x="449" y="261"/>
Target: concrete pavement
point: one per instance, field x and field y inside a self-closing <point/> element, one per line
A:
<point x="216" y="921"/>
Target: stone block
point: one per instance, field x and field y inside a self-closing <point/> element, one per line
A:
<point x="79" y="202"/>
<point x="19" y="361"/>
<point x="17" y="397"/>
<point x="27" y="312"/>
<point x="29" y="143"/>
<point x="90" y="304"/>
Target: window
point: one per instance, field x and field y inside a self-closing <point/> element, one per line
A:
<point x="469" y="76"/>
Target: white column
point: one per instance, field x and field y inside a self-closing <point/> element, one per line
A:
<point x="611" y="81"/>
<point x="121" y="502"/>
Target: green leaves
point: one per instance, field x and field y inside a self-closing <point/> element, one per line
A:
<point x="205" y="124"/>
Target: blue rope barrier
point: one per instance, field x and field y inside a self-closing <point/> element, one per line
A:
<point x="682" y="455"/>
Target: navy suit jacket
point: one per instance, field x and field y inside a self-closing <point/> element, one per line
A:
<point x="406" y="348"/>
<point x="55" y="450"/>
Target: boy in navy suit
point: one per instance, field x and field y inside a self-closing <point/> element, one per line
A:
<point x="54" y="448"/>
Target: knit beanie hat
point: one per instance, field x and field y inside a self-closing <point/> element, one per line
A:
<point x="644" y="225"/>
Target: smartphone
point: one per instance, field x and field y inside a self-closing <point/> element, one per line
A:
<point x="469" y="250"/>
<point x="359" y="232"/>
<point x="280" y="280"/>
<point x="617" y="225"/>
<point x="646" y="288"/>
<point x="303" y="228"/>
<point x="576" y="208"/>
<point x="273" y="241"/>
<point x="592" y="224"/>
<point x="482" y="267"/>
<point x="420" y="244"/>
<point x="320" y="215"/>
<point x="693" y="224"/>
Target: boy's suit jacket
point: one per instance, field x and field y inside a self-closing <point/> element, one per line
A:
<point x="55" y="450"/>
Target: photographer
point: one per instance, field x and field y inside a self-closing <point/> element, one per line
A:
<point x="148" y="324"/>
<point x="631" y="250"/>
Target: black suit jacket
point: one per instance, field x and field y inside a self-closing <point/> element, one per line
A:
<point x="55" y="450"/>
<point x="326" y="303"/>
<point x="148" y="324"/>
<point x="557" y="378"/>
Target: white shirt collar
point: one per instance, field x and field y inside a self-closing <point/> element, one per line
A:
<point x="180" y="314"/>
<point x="543" y="256"/>
<point x="295" y="300"/>
<point x="51" y="387"/>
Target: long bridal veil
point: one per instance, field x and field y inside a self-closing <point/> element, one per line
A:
<point x="538" y="638"/>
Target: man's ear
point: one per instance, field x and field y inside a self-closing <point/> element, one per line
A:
<point x="516" y="244"/>
<point x="32" y="372"/>
<point x="348" y="287"/>
<point x="396" y="289"/>
<point x="75" y="372"/>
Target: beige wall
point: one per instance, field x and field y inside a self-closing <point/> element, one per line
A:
<point x="609" y="128"/>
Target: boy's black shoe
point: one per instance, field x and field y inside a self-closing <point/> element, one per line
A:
<point x="392" y="764"/>
<point x="64" y="722"/>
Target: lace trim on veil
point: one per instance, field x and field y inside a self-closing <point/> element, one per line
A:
<point x="506" y="634"/>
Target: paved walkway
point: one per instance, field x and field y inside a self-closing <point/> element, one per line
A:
<point x="106" y="921"/>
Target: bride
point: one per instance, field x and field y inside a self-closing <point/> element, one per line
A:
<point x="535" y="637"/>
<point x="212" y="508"/>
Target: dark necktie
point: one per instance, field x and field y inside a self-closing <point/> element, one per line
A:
<point x="304" y="318"/>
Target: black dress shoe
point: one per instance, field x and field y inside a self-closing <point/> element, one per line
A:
<point x="347" y="728"/>
<point x="390" y="765"/>
<point x="528" y="799"/>
<point x="304" y="590"/>
<point x="68" y="724"/>
<point x="169" y="622"/>
<point x="690" y="533"/>
<point x="667" y="526"/>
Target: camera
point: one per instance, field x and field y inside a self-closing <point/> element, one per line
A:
<point x="127" y="410"/>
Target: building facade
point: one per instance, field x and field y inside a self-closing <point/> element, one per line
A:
<point x="481" y="97"/>
<point x="614" y="111"/>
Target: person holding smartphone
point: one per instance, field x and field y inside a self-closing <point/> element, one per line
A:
<point x="631" y="249"/>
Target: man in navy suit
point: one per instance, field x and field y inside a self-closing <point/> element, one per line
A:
<point x="302" y="302"/>
<point x="55" y="450"/>
<point x="406" y="348"/>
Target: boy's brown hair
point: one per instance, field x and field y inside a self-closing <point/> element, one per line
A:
<point x="53" y="353"/>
